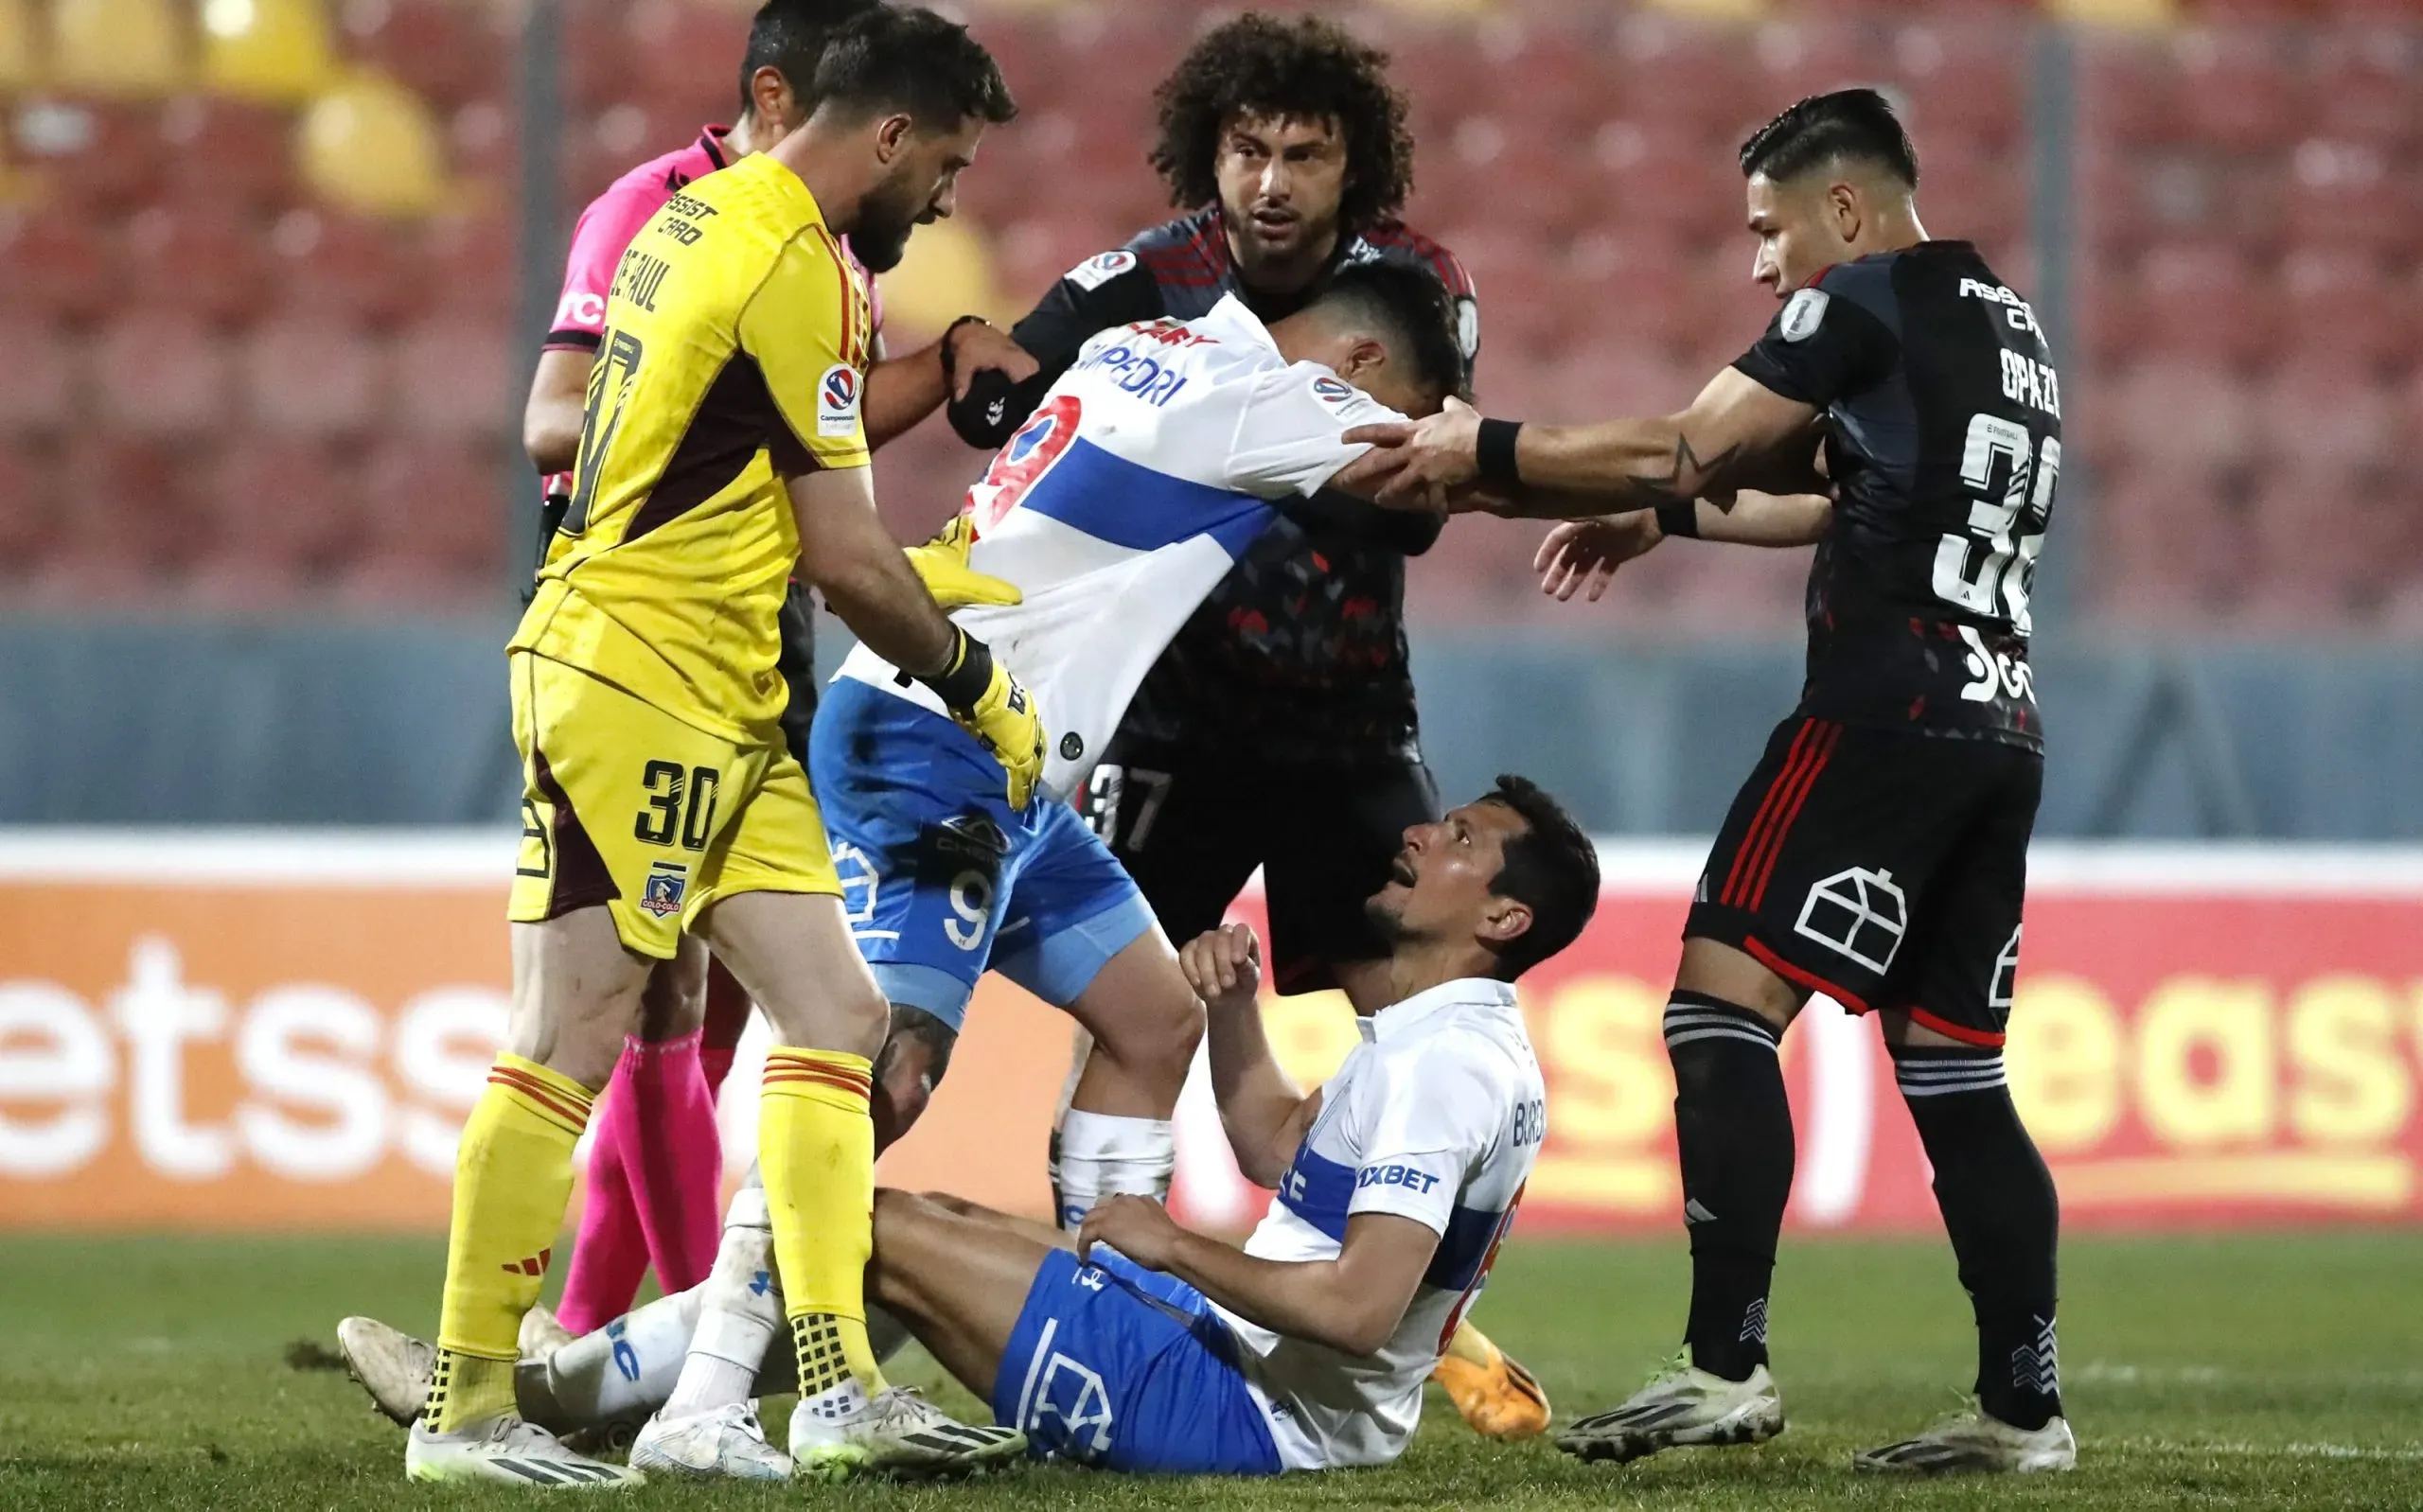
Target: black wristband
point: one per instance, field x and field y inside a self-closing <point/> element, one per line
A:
<point x="1494" y="450"/>
<point x="966" y="674"/>
<point x="1679" y="517"/>
<point x="951" y="359"/>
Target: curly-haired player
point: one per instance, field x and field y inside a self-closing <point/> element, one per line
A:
<point x="1277" y="729"/>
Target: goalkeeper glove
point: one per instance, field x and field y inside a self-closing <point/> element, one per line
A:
<point x="942" y="564"/>
<point x="989" y="704"/>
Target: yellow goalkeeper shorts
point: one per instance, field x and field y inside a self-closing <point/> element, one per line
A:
<point x="627" y="805"/>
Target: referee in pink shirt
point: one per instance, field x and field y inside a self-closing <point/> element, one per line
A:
<point x="656" y="1159"/>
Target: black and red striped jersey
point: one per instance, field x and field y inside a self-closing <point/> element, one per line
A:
<point x="1943" y="439"/>
<point x="1299" y="654"/>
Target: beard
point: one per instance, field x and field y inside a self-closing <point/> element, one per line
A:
<point x="1386" y="922"/>
<point x="881" y="237"/>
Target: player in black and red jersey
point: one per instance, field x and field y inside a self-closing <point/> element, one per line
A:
<point x="1879" y="853"/>
<point x="1278" y="729"/>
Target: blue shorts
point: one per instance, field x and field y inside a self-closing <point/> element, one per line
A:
<point x="1123" y="1368"/>
<point x="941" y="878"/>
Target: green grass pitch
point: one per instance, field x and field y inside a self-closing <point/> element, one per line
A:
<point x="2283" y="1371"/>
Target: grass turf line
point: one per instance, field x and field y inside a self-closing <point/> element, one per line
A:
<point x="2282" y="1370"/>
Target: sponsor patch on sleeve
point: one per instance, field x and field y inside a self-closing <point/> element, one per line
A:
<point x="1101" y="268"/>
<point x="1804" y="314"/>
<point x="837" y="401"/>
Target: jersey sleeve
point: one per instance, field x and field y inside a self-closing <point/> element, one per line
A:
<point x="598" y="241"/>
<point x="1107" y="290"/>
<point x="1824" y="343"/>
<point x="807" y="327"/>
<point x="1287" y="435"/>
<point x="1441" y="1109"/>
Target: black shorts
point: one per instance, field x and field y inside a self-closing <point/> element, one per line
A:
<point x="1884" y="869"/>
<point x="797" y="663"/>
<point x="1192" y="831"/>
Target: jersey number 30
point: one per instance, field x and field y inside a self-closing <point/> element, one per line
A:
<point x="1986" y="569"/>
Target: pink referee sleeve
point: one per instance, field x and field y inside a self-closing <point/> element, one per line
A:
<point x="598" y="239"/>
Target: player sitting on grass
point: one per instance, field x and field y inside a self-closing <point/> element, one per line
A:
<point x="1140" y="1346"/>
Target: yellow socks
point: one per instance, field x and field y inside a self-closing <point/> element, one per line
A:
<point x="512" y="1182"/>
<point x="815" y="1152"/>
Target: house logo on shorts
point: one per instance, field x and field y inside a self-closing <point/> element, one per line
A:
<point x="1859" y="912"/>
<point x="666" y="882"/>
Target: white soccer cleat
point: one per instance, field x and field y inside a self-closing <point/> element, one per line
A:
<point x="541" y="1335"/>
<point x="1971" y="1442"/>
<point x="897" y="1433"/>
<point x="1682" y="1406"/>
<point x="390" y="1365"/>
<point x="722" y="1443"/>
<point x="507" y="1452"/>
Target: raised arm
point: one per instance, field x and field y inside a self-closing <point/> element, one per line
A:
<point x="1584" y="554"/>
<point x="902" y="391"/>
<point x="1263" y="1110"/>
<point x="1571" y="472"/>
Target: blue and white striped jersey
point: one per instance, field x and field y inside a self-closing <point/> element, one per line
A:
<point x="1146" y="471"/>
<point x="1436" y="1117"/>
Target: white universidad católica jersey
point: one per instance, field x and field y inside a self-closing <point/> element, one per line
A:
<point x="1145" y="472"/>
<point x="1436" y="1117"/>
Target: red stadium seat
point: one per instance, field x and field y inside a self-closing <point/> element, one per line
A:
<point x="111" y="156"/>
<point x="2365" y="79"/>
<point x="2238" y="89"/>
<point x="2178" y="411"/>
<point x="1698" y="77"/>
<point x="467" y="264"/>
<point x="158" y="373"/>
<point x="2167" y="547"/>
<point x="313" y="376"/>
<point x="54" y="263"/>
<point x="443" y="51"/>
<point x="2342" y="308"/>
<point x="1807" y="57"/>
<point x="228" y="152"/>
<point x="279" y="513"/>
<point x="202" y="258"/>
<point x="338" y="266"/>
<point x="1976" y="195"/>
<point x="687" y="52"/>
<point x="2202" y="301"/>
<point x="119" y="519"/>
<point x="434" y="531"/>
<point x="1664" y="178"/>
<point x="455" y="379"/>
<point x="2128" y="90"/>
<point x="1967" y="79"/>
<point x="598" y="61"/>
<point x="2322" y="412"/>
<point x="2351" y="192"/>
<point x="38" y="380"/>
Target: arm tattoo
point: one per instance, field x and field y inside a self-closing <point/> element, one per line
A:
<point x="1649" y="491"/>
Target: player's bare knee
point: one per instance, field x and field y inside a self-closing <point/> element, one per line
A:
<point x="1152" y="1038"/>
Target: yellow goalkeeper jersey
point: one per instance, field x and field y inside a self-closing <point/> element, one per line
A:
<point x="735" y="353"/>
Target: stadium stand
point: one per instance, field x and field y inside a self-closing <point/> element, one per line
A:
<point x="281" y="237"/>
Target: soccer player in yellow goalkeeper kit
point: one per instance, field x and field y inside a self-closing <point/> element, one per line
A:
<point x="722" y="446"/>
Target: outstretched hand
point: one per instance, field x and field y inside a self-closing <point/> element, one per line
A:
<point x="1584" y="554"/>
<point x="1418" y="463"/>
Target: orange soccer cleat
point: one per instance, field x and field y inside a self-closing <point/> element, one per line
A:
<point x="1496" y="1394"/>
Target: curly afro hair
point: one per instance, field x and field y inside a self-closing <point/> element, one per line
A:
<point x="1305" y="67"/>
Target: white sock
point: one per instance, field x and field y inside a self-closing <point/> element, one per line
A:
<point x="625" y="1369"/>
<point x="1101" y="1156"/>
<point x="740" y="1312"/>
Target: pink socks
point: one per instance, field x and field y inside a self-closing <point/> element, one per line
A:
<point x="655" y="1183"/>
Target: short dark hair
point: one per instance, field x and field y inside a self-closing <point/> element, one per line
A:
<point x="789" y="36"/>
<point x="1551" y="867"/>
<point x="1415" y="311"/>
<point x="1306" y="67"/>
<point x="1857" y="124"/>
<point x="886" y="58"/>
